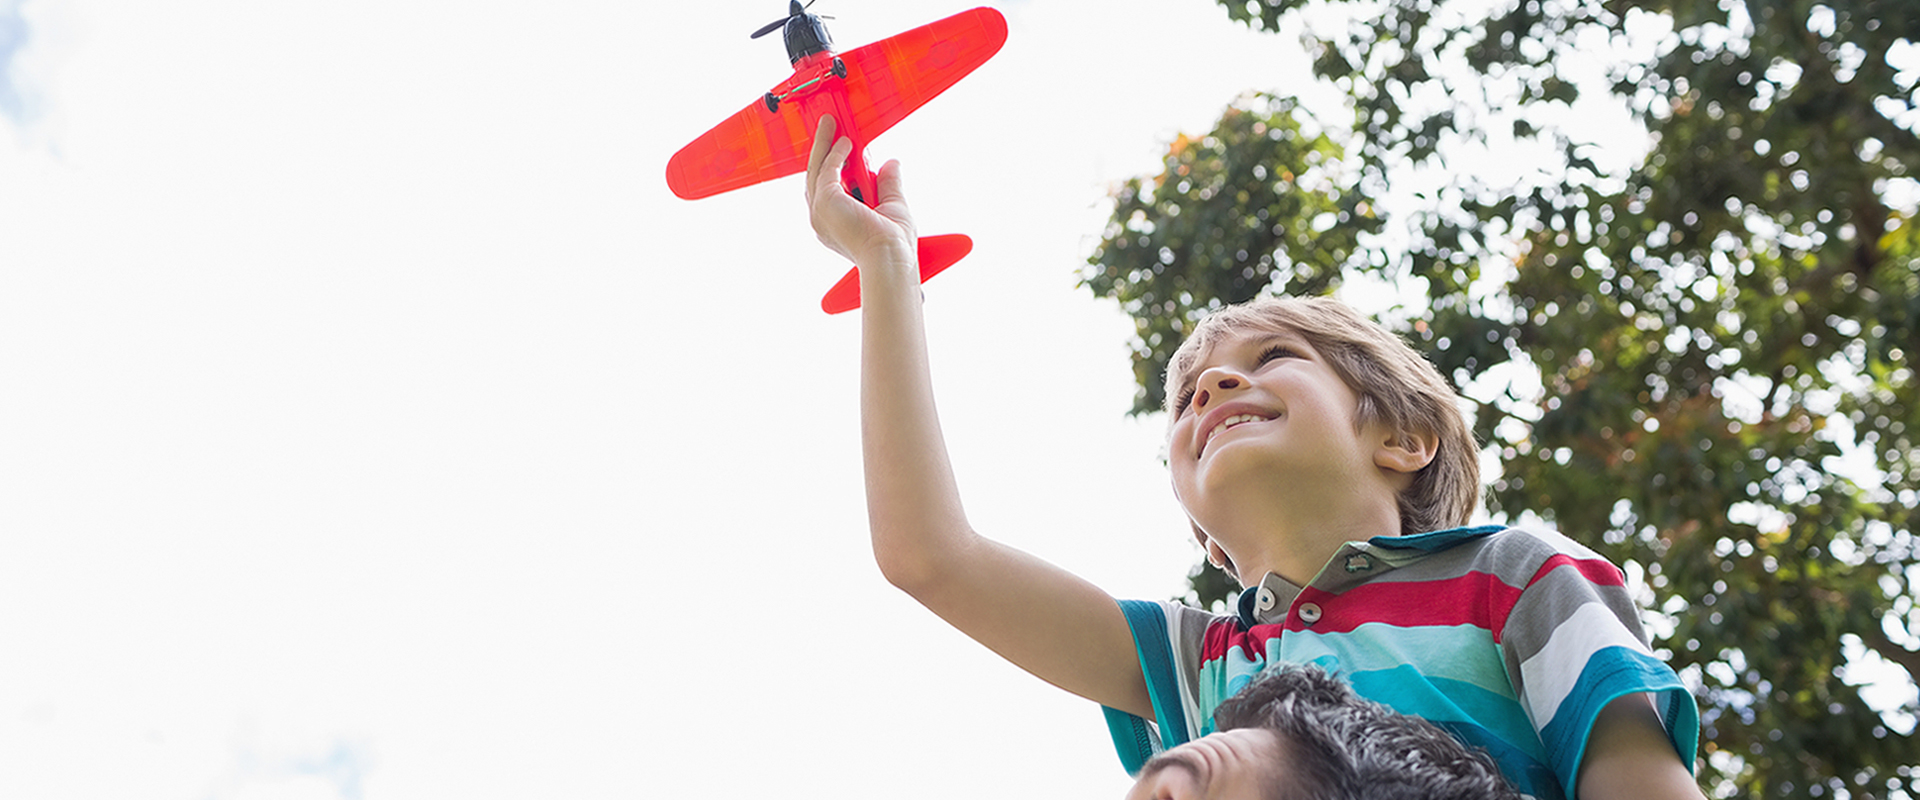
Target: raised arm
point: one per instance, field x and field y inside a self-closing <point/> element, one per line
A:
<point x="1044" y="619"/>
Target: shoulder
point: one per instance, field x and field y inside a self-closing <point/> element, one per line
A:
<point x="1528" y="542"/>
<point x="1179" y="625"/>
<point x="1522" y="557"/>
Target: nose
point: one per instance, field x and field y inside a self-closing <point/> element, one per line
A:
<point x="1215" y="379"/>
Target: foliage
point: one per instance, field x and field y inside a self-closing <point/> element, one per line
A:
<point x="1699" y="362"/>
<point x="1226" y="219"/>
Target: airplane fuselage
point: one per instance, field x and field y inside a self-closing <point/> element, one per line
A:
<point x="818" y="85"/>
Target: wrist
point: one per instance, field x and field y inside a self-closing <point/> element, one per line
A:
<point x="891" y="256"/>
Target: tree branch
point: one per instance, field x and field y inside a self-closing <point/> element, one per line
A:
<point x="1891" y="650"/>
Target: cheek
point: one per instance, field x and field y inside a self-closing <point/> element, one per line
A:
<point x="1177" y="438"/>
<point x="1180" y="456"/>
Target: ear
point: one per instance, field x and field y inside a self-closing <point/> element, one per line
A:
<point x="1215" y="555"/>
<point x="1406" y="452"/>
<point x="1206" y="543"/>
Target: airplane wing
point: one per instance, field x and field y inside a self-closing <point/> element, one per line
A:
<point x="885" y="82"/>
<point x="751" y="146"/>
<point x="890" y="78"/>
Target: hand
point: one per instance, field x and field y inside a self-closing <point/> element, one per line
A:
<point x="870" y="237"/>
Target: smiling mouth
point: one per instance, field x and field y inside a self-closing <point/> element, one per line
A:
<point x="1230" y="422"/>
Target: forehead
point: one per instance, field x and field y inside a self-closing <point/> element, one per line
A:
<point x="1229" y="762"/>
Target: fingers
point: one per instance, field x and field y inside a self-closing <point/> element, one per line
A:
<point x="826" y="185"/>
<point x="848" y="226"/>
<point x="822" y="142"/>
<point x="825" y="160"/>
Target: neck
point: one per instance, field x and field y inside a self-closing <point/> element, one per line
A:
<point x="1294" y="540"/>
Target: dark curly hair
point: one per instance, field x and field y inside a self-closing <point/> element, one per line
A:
<point x="1343" y="747"/>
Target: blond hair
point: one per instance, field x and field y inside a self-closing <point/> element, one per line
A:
<point x="1398" y="389"/>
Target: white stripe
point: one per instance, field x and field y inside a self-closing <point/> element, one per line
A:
<point x="1183" y="669"/>
<point x="1551" y="674"/>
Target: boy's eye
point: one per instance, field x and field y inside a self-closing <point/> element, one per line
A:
<point x="1180" y="402"/>
<point x="1277" y="351"/>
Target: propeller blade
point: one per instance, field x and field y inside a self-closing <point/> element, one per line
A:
<point x="771" y="27"/>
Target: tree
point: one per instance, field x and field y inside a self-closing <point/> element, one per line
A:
<point x="1698" y="360"/>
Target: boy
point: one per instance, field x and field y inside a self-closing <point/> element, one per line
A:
<point x="1302" y="479"/>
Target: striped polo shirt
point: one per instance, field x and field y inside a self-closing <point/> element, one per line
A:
<point x="1512" y="640"/>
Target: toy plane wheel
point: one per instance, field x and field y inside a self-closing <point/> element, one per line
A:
<point x="773" y="103"/>
<point x="839" y="68"/>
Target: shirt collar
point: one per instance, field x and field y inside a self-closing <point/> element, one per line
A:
<point x="1268" y="601"/>
<point x="1435" y="541"/>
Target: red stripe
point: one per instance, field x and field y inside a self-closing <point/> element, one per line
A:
<point x="1595" y="570"/>
<point x="1476" y="598"/>
<point x="1252" y="643"/>
<point x="1479" y="599"/>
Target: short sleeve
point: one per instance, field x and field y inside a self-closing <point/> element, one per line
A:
<point x="1165" y="638"/>
<point x="1573" y="643"/>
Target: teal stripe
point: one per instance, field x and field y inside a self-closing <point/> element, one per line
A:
<point x="1222" y="678"/>
<point x="1132" y="740"/>
<point x="1464" y="654"/>
<point x="1435" y="541"/>
<point x="1609" y="674"/>
<point x="1148" y="622"/>
<point x="1525" y="772"/>
<point x="1440" y="700"/>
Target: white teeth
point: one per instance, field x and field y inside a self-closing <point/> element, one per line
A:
<point x="1232" y="421"/>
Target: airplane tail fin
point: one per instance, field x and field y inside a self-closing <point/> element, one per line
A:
<point x="936" y="254"/>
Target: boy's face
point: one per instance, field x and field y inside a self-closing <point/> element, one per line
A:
<point x="1265" y="420"/>
<point x="1230" y="765"/>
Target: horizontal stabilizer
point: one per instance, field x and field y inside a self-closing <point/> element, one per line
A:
<point x="936" y="254"/>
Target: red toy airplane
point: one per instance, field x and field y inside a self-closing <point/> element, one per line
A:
<point x="866" y="90"/>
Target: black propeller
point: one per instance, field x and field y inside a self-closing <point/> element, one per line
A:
<point x="794" y="10"/>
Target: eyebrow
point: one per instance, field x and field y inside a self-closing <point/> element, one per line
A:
<point x="1172" y="759"/>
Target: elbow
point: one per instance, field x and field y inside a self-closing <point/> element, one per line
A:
<point x="915" y="576"/>
<point x="919" y="570"/>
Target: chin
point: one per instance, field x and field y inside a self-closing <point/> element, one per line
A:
<point x="1234" y="463"/>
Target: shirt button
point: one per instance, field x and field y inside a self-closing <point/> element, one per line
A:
<point x="1263" y="599"/>
<point x="1309" y="613"/>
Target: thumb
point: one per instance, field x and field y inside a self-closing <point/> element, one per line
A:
<point x="889" y="184"/>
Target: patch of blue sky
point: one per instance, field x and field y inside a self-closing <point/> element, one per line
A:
<point x="335" y="769"/>
<point x="13" y="38"/>
<point x="344" y="768"/>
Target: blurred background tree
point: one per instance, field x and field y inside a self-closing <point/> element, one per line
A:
<point x="1669" y="248"/>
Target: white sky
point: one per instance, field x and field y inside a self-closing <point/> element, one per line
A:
<point x="375" y="424"/>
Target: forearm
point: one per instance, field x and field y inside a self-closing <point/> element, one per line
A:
<point x="1041" y="617"/>
<point x="1036" y="615"/>
<point x="913" y="503"/>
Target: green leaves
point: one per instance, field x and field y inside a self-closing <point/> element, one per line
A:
<point x="1252" y="205"/>
<point x="1702" y="365"/>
